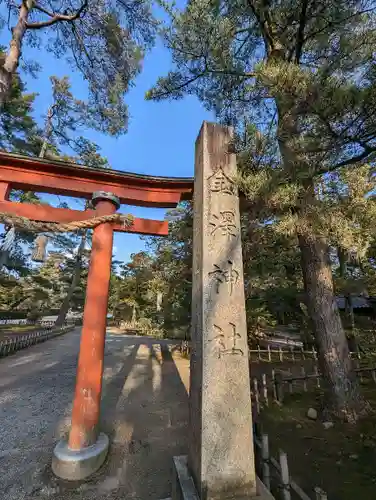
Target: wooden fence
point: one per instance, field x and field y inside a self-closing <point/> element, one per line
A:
<point x="273" y="387"/>
<point x="44" y="321"/>
<point x="275" y="474"/>
<point x="280" y="354"/>
<point x="18" y="342"/>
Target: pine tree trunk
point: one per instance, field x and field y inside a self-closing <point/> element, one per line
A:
<point x="116" y="303"/>
<point x="47" y="131"/>
<point x="13" y="56"/>
<point x="43" y="149"/>
<point x="343" y="398"/>
<point x="343" y="394"/>
<point x="75" y="280"/>
<point x="134" y="316"/>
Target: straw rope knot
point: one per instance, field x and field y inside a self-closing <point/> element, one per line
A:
<point x="26" y="224"/>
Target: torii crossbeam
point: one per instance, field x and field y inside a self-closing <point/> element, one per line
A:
<point x="86" y="448"/>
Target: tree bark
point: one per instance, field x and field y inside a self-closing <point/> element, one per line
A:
<point x="13" y="56"/>
<point x="342" y="389"/>
<point x="134" y="316"/>
<point x="343" y="398"/>
<point x="116" y="302"/>
<point x="75" y="280"/>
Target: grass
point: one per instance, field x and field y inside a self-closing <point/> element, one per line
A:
<point x="341" y="460"/>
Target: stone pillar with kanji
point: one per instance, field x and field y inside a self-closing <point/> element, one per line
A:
<point x="221" y="456"/>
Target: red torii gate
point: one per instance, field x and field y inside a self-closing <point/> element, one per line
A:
<point x="86" y="448"/>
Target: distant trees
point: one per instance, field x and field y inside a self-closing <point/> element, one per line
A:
<point x="156" y="284"/>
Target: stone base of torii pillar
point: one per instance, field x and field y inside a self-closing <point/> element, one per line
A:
<point x="76" y="465"/>
<point x="220" y="463"/>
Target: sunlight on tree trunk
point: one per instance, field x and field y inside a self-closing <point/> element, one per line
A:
<point x="134" y="315"/>
<point x="13" y="56"/>
<point x="47" y="131"/>
<point x="343" y="397"/>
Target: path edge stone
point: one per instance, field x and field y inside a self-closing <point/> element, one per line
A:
<point x="183" y="487"/>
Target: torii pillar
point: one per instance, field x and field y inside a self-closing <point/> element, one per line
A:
<point x="86" y="448"/>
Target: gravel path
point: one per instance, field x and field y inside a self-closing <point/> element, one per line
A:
<point x="144" y="411"/>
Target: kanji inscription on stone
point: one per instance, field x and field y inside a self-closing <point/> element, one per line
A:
<point x="225" y="223"/>
<point x="227" y="275"/>
<point x="221" y="183"/>
<point x="225" y="341"/>
<point x="218" y="341"/>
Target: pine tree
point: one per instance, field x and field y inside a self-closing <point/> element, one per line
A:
<point x="303" y="74"/>
<point x="155" y="286"/>
<point x="65" y="119"/>
<point x="17" y="125"/>
<point x="272" y="277"/>
<point x="18" y="134"/>
<point x="172" y="268"/>
<point x="104" y="41"/>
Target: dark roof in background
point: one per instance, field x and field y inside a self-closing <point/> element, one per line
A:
<point x="358" y="302"/>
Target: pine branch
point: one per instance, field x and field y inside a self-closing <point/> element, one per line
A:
<point x="332" y="24"/>
<point x="82" y="45"/>
<point x="230" y="73"/>
<point x="353" y="160"/>
<point x="300" y="33"/>
<point x="266" y="32"/>
<point x="55" y="17"/>
<point x="179" y="87"/>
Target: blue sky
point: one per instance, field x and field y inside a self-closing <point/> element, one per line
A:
<point x="161" y="136"/>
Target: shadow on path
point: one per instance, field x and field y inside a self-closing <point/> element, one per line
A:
<point x="151" y="427"/>
<point x="144" y="411"/>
